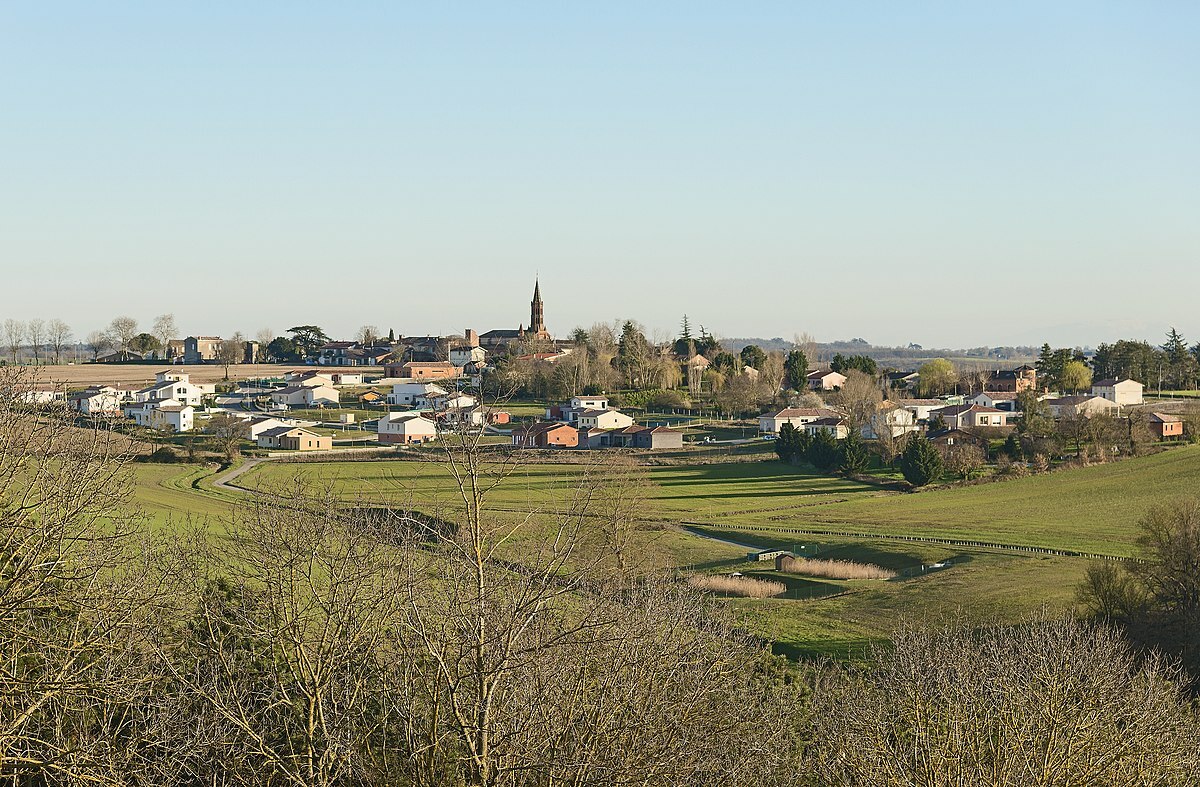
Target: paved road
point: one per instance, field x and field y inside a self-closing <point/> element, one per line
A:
<point x="222" y="481"/>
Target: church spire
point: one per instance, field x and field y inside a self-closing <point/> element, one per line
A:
<point x="537" y="318"/>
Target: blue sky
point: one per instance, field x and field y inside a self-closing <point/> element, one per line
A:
<point x="948" y="174"/>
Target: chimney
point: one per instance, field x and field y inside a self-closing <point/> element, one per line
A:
<point x="471" y="337"/>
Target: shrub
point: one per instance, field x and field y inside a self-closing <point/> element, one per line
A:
<point x="920" y="463"/>
<point x="737" y="586"/>
<point x="834" y="569"/>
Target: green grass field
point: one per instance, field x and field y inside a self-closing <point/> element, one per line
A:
<point x="755" y="501"/>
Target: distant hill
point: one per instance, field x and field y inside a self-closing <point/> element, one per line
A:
<point x="903" y="358"/>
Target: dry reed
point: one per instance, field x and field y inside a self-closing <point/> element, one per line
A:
<point x="834" y="569"/>
<point x="737" y="586"/>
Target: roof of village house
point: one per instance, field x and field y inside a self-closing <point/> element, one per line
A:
<point x="291" y="389"/>
<point x="542" y="427"/>
<point x="280" y="431"/>
<point x="1165" y="418"/>
<point x="439" y="364"/>
<point x="919" y="402"/>
<point x="698" y="360"/>
<point x="838" y="421"/>
<point x="959" y="409"/>
<point x="999" y="396"/>
<point x="819" y="373"/>
<point x="1111" y="381"/>
<point x="1076" y="399"/>
<point x="803" y="412"/>
<point x="175" y="408"/>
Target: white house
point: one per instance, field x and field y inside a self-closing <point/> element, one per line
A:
<point x="406" y="427"/>
<point x="1067" y="406"/>
<point x="347" y="378"/>
<point x="162" y="415"/>
<point x="921" y="408"/>
<point x="464" y="354"/>
<point x="103" y="401"/>
<point x="34" y="394"/>
<point x="890" y="418"/>
<point x="309" y="379"/>
<point x="836" y="426"/>
<point x="969" y="416"/>
<point x="1121" y="391"/>
<point x="604" y="419"/>
<point x="256" y="426"/>
<point x="771" y="423"/>
<point x="174" y="385"/>
<point x="825" y="380"/>
<point x="415" y="394"/>
<point x="305" y="396"/>
<point x="1000" y="400"/>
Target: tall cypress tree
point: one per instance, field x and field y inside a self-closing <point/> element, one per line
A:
<point x="921" y="463"/>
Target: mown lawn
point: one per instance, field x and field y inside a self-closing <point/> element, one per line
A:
<point x="165" y="493"/>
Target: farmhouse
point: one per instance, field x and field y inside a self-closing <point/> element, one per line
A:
<point x="1166" y="426"/>
<point x="294" y="438"/>
<point x="1067" y="406"/>
<point x="1023" y="378"/>
<point x="545" y="435"/>
<point x="1122" y="391"/>
<point x="405" y="428"/>
<point x="198" y="349"/>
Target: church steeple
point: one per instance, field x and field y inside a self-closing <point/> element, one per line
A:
<point x="537" y="317"/>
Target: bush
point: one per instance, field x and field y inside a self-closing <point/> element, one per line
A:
<point x="737" y="586"/>
<point x="822" y="451"/>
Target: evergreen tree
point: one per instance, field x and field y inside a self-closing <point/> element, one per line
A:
<point x="1012" y="446"/>
<point x="787" y="444"/>
<point x="921" y="463"/>
<point x="753" y="356"/>
<point x="795" y="370"/>
<point x="822" y="451"/>
<point x="853" y="455"/>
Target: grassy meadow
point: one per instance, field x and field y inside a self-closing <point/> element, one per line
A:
<point x="728" y="508"/>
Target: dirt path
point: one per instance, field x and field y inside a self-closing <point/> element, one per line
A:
<point x="222" y="481"/>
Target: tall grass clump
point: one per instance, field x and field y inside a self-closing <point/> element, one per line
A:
<point x="737" y="586"/>
<point x="833" y="569"/>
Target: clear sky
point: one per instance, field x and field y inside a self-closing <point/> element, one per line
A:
<point x="951" y="174"/>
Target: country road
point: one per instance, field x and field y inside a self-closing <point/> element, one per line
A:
<point x="222" y="481"/>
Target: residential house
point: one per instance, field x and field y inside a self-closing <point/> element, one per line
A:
<point x="305" y="396"/>
<point x="430" y="370"/>
<point x="369" y="398"/>
<point x="405" y="428"/>
<point x="921" y="408"/>
<point x="174" y="385"/>
<point x="826" y="380"/>
<point x="463" y="354"/>
<point x="347" y="378"/>
<point x="604" y="419"/>
<point x="1082" y="404"/>
<point x="1000" y="400"/>
<point x="545" y="435"/>
<point x="835" y="425"/>
<point x="294" y="438"/>
<point x="634" y="436"/>
<point x="1166" y="426"/>
<point x="101" y="400"/>
<point x="970" y="416"/>
<point x="903" y="381"/>
<point x="37" y="394"/>
<point x="771" y="423"/>
<point x="198" y="349"/>
<point x="415" y="394"/>
<point x="892" y="418"/>
<point x="309" y="378"/>
<point x="353" y="354"/>
<point x="1023" y="378"/>
<point x="256" y="426"/>
<point x="947" y="438"/>
<point x="162" y="415"/>
<point x="569" y="412"/>
<point x="1122" y="391"/>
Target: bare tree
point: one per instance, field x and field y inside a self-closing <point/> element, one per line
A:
<point x="1052" y="702"/>
<point x="59" y="334"/>
<point x="97" y="342"/>
<point x="229" y="432"/>
<point x="14" y="337"/>
<point x="859" y="397"/>
<point x="164" y="330"/>
<point x="122" y="330"/>
<point x="230" y="351"/>
<point x="35" y="329"/>
<point x="367" y="335"/>
<point x="264" y="337"/>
